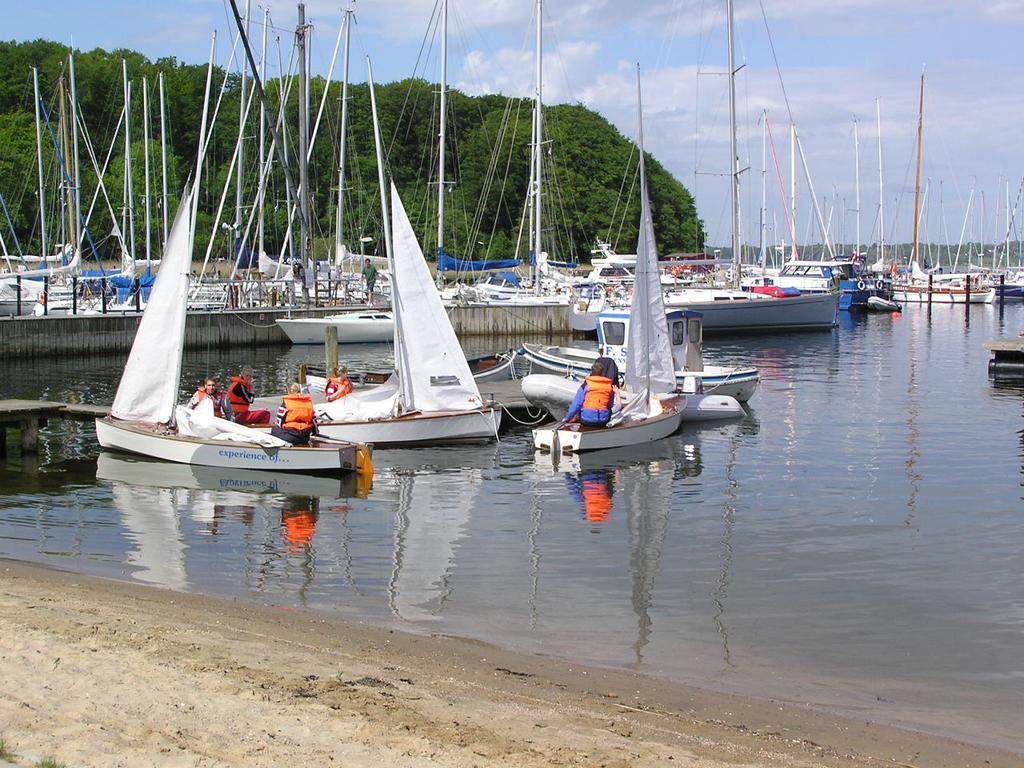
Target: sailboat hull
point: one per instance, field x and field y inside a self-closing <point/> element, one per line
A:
<point x="738" y="382"/>
<point x="353" y="328"/>
<point x="435" y="428"/>
<point x="555" y="393"/>
<point x="130" y="437"/>
<point x="574" y="439"/>
<point x="814" y="311"/>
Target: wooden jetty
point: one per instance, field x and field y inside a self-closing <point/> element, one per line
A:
<point x="29" y="415"/>
<point x="1007" y="358"/>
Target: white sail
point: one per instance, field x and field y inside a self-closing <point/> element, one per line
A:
<point x="148" y="390"/>
<point x="432" y="368"/>
<point x="653" y="372"/>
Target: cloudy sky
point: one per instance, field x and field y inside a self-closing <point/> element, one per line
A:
<point x="835" y="58"/>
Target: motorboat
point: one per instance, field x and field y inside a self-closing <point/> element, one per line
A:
<point x="686" y="333"/>
<point x="365" y="327"/>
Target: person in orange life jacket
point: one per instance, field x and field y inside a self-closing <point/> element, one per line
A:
<point x="295" y="421"/>
<point x="221" y="404"/>
<point x="593" y="403"/>
<point x="338" y="384"/>
<point x="241" y="395"/>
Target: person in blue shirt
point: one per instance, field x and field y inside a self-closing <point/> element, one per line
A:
<point x="593" y="403"/>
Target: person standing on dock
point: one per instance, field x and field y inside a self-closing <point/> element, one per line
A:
<point x="241" y="396"/>
<point x="295" y="422"/>
<point x="370" y="276"/>
<point x="221" y="404"/>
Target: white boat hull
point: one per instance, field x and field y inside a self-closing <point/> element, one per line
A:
<point x="132" y="438"/>
<point x="574" y="439"/>
<point x="942" y="295"/>
<point x="352" y="329"/>
<point x="767" y="314"/>
<point x="555" y="393"/>
<point x="739" y="383"/>
<point x="419" y="428"/>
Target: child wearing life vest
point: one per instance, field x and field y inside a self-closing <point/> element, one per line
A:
<point x="593" y="403"/>
<point x="295" y="421"/>
<point x="338" y="384"/>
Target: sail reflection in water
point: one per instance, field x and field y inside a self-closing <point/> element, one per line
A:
<point x="154" y="498"/>
<point x="431" y="520"/>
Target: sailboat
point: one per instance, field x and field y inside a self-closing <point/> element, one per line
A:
<point x="920" y="287"/>
<point x="652" y="412"/>
<point x="431" y="397"/>
<point x="145" y="419"/>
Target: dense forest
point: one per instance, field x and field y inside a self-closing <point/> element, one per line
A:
<point x="590" y="169"/>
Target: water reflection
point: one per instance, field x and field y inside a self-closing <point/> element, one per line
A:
<point x="152" y="498"/>
<point x="432" y="517"/>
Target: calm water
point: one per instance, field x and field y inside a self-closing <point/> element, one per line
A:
<point x="856" y="542"/>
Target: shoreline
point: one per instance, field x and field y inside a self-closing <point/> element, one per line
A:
<point x="99" y="671"/>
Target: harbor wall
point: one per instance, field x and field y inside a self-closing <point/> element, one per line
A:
<point x="25" y="337"/>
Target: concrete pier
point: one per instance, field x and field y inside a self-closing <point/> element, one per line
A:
<point x="55" y="336"/>
<point x="1007" y="358"/>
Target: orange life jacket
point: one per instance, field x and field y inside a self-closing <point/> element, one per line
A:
<point x="217" y="396"/>
<point x="599" y="393"/>
<point x="597" y="400"/>
<point x="337" y="388"/>
<point x="296" y="412"/>
<point x="239" y="395"/>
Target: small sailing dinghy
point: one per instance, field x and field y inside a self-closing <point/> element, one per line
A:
<point x="653" y="411"/>
<point x="145" y="418"/>
<point x="431" y="397"/>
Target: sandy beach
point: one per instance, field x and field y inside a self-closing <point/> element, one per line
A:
<point x="95" y="672"/>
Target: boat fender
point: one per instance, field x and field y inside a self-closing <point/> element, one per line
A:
<point x="880" y="285"/>
<point x="861" y="285"/>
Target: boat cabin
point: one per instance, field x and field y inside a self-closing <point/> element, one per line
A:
<point x="685" y="329"/>
<point x="814" y="276"/>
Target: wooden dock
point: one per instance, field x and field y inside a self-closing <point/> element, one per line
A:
<point x="29" y="415"/>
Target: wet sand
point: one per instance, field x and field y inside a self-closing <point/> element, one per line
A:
<point x="99" y="672"/>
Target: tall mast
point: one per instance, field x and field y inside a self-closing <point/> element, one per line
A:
<point x="856" y="178"/>
<point x="792" y="186"/>
<point x="641" y="262"/>
<point x="145" y="155"/>
<point x="300" y="39"/>
<point x="163" y="156"/>
<point x="342" y="138"/>
<point x="74" y="147"/>
<point x="881" y="187"/>
<point x="764" y="189"/>
<point x="441" y="134"/>
<point x="734" y="160"/>
<point x="67" y="199"/>
<point x="128" y="157"/>
<point x="538" y="125"/>
<point x="240" y="173"/>
<point x="263" y="130"/>
<point x="39" y="161"/>
<point x="917" y="185"/>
